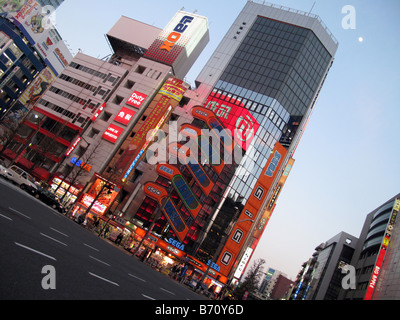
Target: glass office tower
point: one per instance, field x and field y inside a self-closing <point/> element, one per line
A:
<point x="262" y="82"/>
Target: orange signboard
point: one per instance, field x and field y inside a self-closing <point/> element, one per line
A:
<point x="183" y="153"/>
<point x="240" y="231"/>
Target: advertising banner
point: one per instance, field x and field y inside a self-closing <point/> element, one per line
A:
<point x="271" y="204"/>
<point x="169" y="209"/>
<point x="161" y="111"/>
<point x="235" y="117"/>
<point x="186" y="194"/>
<point x="382" y="251"/>
<point x="36" y="23"/>
<point x="179" y="38"/>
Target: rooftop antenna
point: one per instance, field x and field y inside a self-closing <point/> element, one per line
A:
<point x="312" y="7"/>
<point x="195" y="11"/>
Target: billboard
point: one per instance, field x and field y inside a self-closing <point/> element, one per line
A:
<point x="241" y="229"/>
<point x="169" y="209"/>
<point x="161" y="111"/>
<point x="124" y="116"/>
<point x="104" y="197"/>
<point x="36" y="23"/>
<point x="112" y="133"/>
<point x="233" y="114"/>
<point x="179" y="183"/>
<point x="179" y="38"/>
<point x="272" y="202"/>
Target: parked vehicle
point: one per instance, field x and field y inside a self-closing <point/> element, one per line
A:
<point x="21" y="178"/>
<point x="47" y="197"/>
<point x="4" y="172"/>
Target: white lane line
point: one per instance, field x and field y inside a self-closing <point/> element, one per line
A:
<point x="55" y="240"/>
<point x="91" y="247"/>
<point x="104" y="279"/>
<point x="5" y="217"/>
<point x="24" y="215"/>
<point x="167" y="291"/>
<point x="33" y="250"/>
<point x="147" y="297"/>
<point x="65" y="235"/>
<point x="137" y="277"/>
<point x="99" y="260"/>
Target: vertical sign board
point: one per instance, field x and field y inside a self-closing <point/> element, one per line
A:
<point x="170" y="94"/>
<point x="382" y="251"/>
<point x="235" y="117"/>
<point x="246" y="219"/>
<point x="185" y="193"/>
<point x="178" y="39"/>
<point x="159" y="194"/>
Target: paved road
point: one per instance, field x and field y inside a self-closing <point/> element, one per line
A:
<point x="37" y="242"/>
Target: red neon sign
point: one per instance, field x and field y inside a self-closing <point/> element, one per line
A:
<point x="112" y="133"/>
<point x="73" y="146"/>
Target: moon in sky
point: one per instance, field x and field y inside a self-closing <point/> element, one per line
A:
<point x="360" y="39"/>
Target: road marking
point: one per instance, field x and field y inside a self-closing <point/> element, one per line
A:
<point x="55" y="240"/>
<point x="137" y="277"/>
<point x="33" y="250"/>
<point x="104" y="279"/>
<point x="167" y="291"/>
<point x="91" y="247"/>
<point x="19" y="213"/>
<point x="5" y="217"/>
<point x="99" y="261"/>
<point x="148" y="297"/>
<point x="65" y="235"/>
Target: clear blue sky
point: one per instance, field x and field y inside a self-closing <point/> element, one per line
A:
<point x="347" y="162"/>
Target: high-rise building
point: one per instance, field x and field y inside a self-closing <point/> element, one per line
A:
<point x="321" y="277"/>
<point x="376" y="256"/>
<point x="262" y="82"/>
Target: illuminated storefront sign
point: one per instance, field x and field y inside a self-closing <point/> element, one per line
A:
<point x="159" y="193"/>
<point x="124" y="116"/>
<point x="136" y="99"/>
<point x="271" y="205"/>
<point x="112" y="133"/>
<point x="382" y="251"/>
